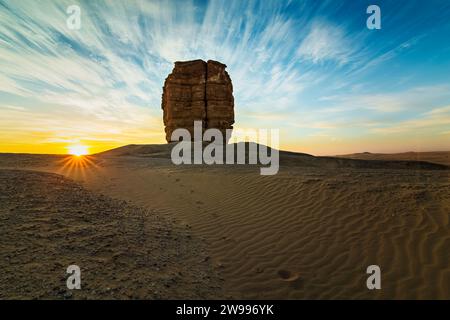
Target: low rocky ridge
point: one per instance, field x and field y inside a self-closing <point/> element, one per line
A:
<point x="287" y="158"/>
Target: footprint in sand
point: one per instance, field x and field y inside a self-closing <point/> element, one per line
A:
<point x="287" y="276"/>
<point x="292" y="278"/>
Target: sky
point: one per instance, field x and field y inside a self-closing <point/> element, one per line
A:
<point x="311" y="69"/>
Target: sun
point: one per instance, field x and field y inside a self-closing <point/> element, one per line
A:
<point x="78" y="150"/>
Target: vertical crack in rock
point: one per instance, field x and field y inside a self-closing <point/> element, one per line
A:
<point x="206" y="101"/>
<point x="198" y="91"/>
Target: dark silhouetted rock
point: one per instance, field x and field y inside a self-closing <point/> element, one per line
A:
<point x="198" y="91"/>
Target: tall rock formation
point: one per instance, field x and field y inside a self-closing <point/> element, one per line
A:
<point x="198" y="91"/>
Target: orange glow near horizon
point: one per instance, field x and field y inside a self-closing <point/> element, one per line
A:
<point x="319" y="145"/>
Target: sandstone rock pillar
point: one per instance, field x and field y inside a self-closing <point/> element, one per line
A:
<point x="197" y="91"/>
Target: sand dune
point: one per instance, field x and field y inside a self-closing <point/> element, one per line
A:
<point x="441" y="157"/>
<point x="308" y="232"/>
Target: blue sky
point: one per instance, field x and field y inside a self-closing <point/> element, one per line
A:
<point x="310" y="68"/>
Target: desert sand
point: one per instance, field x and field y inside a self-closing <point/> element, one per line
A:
<point x="50" y="222"/>
<point x="141" y="227"/>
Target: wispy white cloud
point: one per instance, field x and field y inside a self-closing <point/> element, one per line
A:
<point x="413" y="100"/>
<point x="434" y="120"/>
<point x="327" y="41"/>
